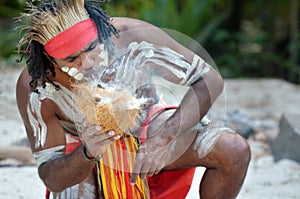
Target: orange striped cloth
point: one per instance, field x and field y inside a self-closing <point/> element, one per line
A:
<point x="117" y="163"/>
<point x="116" y="166"/>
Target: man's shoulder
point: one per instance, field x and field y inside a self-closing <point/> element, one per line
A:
<point x="126" y="24"/>
<point x="22" y="94"/>
<point x="135" y="30"/>
<point x="23" y="81"/>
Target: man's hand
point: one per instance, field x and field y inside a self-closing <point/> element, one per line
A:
<point x="96" y="141"/>
<point x="152" y="156"/>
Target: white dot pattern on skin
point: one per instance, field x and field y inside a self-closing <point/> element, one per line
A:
<point x="72" y="72"/>
<point x="79" y="76"/>
<point x="65" y="69"/>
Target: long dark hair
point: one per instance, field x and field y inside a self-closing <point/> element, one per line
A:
<point x="39" y="64"/>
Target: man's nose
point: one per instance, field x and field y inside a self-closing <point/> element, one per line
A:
<point x="85" y="61"/>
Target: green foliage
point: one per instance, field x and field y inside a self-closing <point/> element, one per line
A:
<point x="244" y="38"/>
<point x="9" y="9"/>
<point x="7" y="42"/>
<point x="188" y="17"/>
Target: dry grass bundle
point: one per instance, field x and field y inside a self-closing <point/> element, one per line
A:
<point x="112" y="109"/>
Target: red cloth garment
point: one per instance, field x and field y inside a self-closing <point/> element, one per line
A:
<point x="73" y="142"/>
<point x="167" y="184"/>
<point x="171" y="184"/>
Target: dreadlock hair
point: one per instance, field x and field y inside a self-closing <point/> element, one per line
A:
<point x="103" y="23"/>
<point x="47" y="22"/>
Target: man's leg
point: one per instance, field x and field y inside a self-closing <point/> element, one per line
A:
<point x="223" y="153"/>
<point x="226" y="165"/>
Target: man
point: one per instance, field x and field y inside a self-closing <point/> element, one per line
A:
<point x="66" y="40"/>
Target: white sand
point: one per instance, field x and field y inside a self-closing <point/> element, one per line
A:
<point x="259" y="99"/>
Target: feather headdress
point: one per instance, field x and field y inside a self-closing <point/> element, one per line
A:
<point x="52" y="19"/>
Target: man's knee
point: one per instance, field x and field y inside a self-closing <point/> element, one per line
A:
<point x="235" y="149"/>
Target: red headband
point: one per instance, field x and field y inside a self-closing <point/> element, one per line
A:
<point x="72" y="39"/>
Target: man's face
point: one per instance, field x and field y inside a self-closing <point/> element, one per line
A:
<point x="84" y="60"/>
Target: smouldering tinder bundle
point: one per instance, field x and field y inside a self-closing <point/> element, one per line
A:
<point x="113" y="109"/>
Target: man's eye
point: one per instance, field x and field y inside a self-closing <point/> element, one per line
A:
<point x="71" y="59"/>
<point x="91" y="47"/>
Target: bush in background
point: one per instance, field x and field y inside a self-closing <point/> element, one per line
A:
<point x="244" y="38"/>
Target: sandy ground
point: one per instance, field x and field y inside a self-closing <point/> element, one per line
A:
<point x="264" y="100"/>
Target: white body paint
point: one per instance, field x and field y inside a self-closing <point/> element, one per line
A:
<point x="63" y="98"/>
<point x="128" y="68"/>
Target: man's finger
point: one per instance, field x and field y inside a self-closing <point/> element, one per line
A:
<point x="147" y="168"/>
<point x="92" y="130"/>
<point x="133" y="178"/>
<point x="107" y="135"/>
<point x="150" y="174"/>
<point x="136" y="169"/>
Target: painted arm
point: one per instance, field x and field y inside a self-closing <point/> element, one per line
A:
<point x="205" y="85"/>
<point x="64" y="170"/>
<point x="57" y="170"/>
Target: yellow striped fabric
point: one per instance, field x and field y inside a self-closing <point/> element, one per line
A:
<point x="116" y="166"/>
